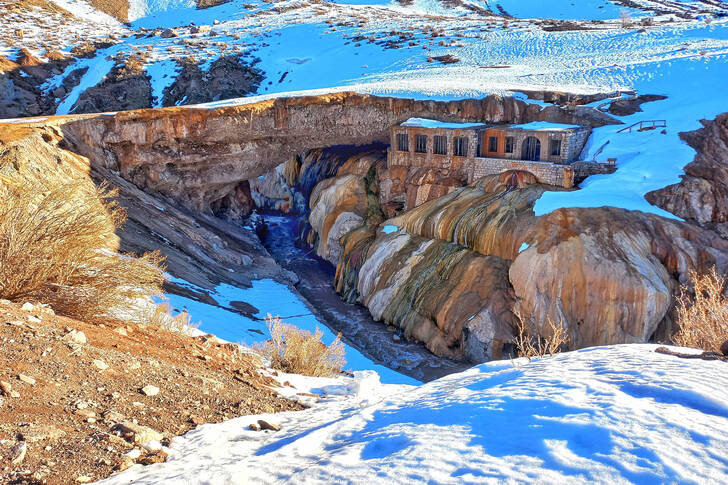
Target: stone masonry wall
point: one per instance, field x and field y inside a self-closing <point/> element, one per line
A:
<point x="545" y="172"/>
<point x="473" y="167"/>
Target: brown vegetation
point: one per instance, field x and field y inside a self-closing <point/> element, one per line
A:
<point x="528" y="345"/>
<point x="297" y="351"/>
<point x="703" y="318"/>
<point x="160" y="316"/>
<point x="54" y="249"/>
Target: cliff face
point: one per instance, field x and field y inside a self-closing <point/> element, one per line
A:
<point x="607" y="275"/>
<point x="198" y="156"/>
<point x="702" y="195"/>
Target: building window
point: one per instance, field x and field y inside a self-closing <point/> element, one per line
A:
<point x="439" y="145"/>
<point x="531" y="149"/>
<point x="421" y="143"/>
<point x="493" y="144"/>
<point x="556" y="148"/>
<point x="509" y="144"/>
<point x="403" y="142"/>
<point x="461" y="146"/>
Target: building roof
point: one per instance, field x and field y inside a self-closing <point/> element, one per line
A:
<point x="544" y="126"/>
<point x="426" y="123"/>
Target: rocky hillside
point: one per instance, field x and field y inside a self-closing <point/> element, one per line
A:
<point x="94" y="400"/>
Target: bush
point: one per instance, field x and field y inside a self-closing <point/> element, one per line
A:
<point x="702" y="319"/>
<point x="625" y="18"/>
<point x="297" y="351"/>
<point x="160" y="316"/>
<point x="527" y="345"/>
<point x="55" y="248"/>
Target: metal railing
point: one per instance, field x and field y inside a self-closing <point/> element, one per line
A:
<point x="645" y="125"/>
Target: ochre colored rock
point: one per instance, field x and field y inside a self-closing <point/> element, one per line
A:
<point x="609" y="275"/>
<point x="338" y="205"/>
<point x="454" y="300"/>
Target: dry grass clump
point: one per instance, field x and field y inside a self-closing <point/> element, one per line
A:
<point x="297" y="351"/>
<point x="527" y="345"/>
<point x="161" y="316"/>
<point x="54" y="248"/>
<point x="703" y="318"/>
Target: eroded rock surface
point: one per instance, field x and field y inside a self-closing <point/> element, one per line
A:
<point x="607" y="275"/>
<point x="702" y="195"/>
<point x="197" y="156"/>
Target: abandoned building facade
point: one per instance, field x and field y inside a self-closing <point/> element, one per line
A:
<point x="547" y="150"/>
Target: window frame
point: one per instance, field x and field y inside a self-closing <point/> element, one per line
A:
<point x="419" y="141"/>
<point x="555" y="147"/>
<point x="439" y="144"/>
<point x="510" y="144"/>
<point x="460" y="146"/>
<point x="400" y="145"/>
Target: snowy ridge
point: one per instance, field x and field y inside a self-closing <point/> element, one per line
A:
<point x="620" y="414"/>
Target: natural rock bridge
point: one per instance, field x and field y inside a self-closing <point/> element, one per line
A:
<point x="201" y="155"/>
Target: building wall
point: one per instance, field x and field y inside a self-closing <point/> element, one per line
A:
<point x="553" y="170"/>
<point x="430" y="159"/>
<point x="546" y="172"/>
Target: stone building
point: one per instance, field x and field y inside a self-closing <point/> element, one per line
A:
<point x="544" y="149"/>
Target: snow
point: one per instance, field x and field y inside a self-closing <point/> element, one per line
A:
<point x="650" y="160"/>
<point x="162" y="74"/>
<point x="425" y="123"/>
<point x="98" y="68"/>
<point x="83" y="10"/>
<point x="268" y="297"/>
<point x="562" y="10"/>
<point x="619" y="414"/>
<point x="544" y="126"/>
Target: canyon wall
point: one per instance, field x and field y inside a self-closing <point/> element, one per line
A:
<point x="199" y="156"/>
<point x="455" y="272"/>
<point x="702" y="195"/>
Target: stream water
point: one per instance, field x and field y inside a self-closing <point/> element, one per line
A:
<point x="356" y="325"/>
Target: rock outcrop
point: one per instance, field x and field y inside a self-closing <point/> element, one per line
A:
<point x="702" y="195"/>
<point x="338" y="205"/>
<point x="454" y="300"/>
<point x="125" y="87"/>
<point x="607" y="275"/>
<point x="20" y="81"/>
<point x="227" y="77"/>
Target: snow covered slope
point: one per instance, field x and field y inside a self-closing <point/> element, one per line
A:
<point x="620" y="414"/>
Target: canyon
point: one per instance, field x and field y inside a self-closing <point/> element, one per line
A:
<point x="456" y="273"/>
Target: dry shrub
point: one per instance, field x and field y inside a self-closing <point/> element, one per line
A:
<point x="297" y="351"/>
<point x="625" y="18"/>
<point x="702" y="319"/>
<point x="529" y="346"/>
<point x="54" y="248"/>
<point x="161" y="316"/>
